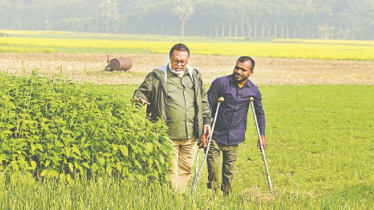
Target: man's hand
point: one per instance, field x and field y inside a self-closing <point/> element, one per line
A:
<point x="204" y="138"/>
<point x="140" y="100"/>
<point x="207" y="130"/>
<point x="264" y="142"/>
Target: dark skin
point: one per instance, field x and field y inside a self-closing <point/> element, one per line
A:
<point x="241" y="73"/>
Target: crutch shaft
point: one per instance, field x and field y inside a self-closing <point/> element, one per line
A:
<point x="197" y="172"/>
<point x="261" y="145"/>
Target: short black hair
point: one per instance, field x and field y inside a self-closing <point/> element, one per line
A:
<point x="243" y="59"/>
<point x="180" y="47"/>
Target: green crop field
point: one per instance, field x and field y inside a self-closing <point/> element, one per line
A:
<point x="320" y="157"/>
<point x="320" y="153"/>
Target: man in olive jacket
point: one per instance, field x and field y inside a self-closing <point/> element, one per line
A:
<point x="175" y="93"/>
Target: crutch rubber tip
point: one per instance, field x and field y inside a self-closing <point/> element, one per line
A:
<point x="221" y="99"/>
<point x="251" y="99"/>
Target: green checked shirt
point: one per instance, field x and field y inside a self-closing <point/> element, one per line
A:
<point x="181" y="108"/>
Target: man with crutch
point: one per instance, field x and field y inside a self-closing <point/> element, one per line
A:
<point x="231" y="122"/>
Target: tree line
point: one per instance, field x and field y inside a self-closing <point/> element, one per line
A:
<point x="268" y="19"/>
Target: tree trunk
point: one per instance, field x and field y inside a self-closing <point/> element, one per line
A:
<point x="340" y="33"/>
<point x="107" y="26"/>
<point x="182" y="31"/>
<point x="223" y="29"/>
<point x="256" y="25"/>
<point x="282" y="31"/>
<point x="249" y="30"/>
<point x="275" y="31"/>
<point x="230" y="29"/>
<point x="268" y="30"/>
<point x="236" y="30"/>
<point x="353" y="32"/>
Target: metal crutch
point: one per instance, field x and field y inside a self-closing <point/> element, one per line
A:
<point x="251" y="99"/>
<point x="197" y="171"/>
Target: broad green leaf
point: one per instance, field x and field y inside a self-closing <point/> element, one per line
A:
<point x="131" y="123"/>
<point x="70" y="180"/>
<point x="71" y="167"/>
<point x="102" y="161"/>
<point x="150" y="163"/>
<point x="55" y="159"/>
<point x="40" y="147"/>
<point x="10" y="126"/>
<point x="76" y="150"/>
<point x="149" y="147"/>
<point x="67" y="150"/>
<point x="44" y="172"/>
<point x="85" y="164"/>
<point x="115" y="147"/>
<point x="14" y="165"/>
<point x="53" y="173"/>
<point x="119" y="135"/>
<point x="59" y="143"/>
<point x="124" y="150"/>
<point x="119" y="166"/>
<point x="21" y="145"/>
<point x="33" y="164"/>
<point x="32" y="147"/>
<point x="162" y="159"/>
<point x="94" y="167"/>
<point x="137" y="164"/>
<point x="87" y="154"/>
<point x="139" y="177"/>
<point x="109" y="170"/>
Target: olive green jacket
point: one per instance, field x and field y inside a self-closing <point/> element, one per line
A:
<point x="153" y="90"/>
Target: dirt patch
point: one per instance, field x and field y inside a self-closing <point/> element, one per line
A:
<point x="270" y="71"/>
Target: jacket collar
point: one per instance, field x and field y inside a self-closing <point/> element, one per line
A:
<point x="164" y="69"/>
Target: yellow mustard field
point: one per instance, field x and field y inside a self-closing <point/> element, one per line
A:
<point x="313" y="49"/>
<point x="326" y="41"/>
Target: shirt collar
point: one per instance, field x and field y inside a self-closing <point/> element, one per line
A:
<point x="232" y="80"/>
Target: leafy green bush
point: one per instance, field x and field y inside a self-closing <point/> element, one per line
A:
<point x="57" y="128"/>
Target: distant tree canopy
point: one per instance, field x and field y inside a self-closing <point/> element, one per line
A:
<point x="312" y="19"/>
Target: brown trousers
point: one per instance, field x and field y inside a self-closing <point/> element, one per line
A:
<point x="185" y="152"/>
<point x="230" y="156"/>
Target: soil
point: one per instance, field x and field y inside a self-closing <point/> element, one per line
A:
<point x="268" y="71"/>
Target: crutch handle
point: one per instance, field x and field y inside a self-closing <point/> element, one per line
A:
<point x="220" y="99"/>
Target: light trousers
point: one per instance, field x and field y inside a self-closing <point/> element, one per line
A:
<point x="185" y="152"/>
